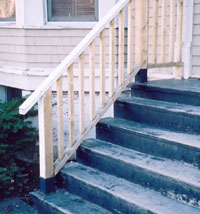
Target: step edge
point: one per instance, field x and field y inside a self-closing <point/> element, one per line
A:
<point x="51" y="204"/>
<point x="139" y="205"/>
<point x="121" y="100"/>
<point x="145" y="134"/>
<point x="166" y="89"/>
<point x="159" y="173"/>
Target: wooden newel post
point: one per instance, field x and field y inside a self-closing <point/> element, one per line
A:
<point x="46" y="143"/>
<point x="178" y="70"/>
<point x="141" y="38"/>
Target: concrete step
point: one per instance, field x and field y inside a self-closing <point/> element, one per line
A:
<point x="177" y="91"/>
<point x="62" y="202"/>
<point x="150" y="171"/>
<point x="173" y="116"/>
<point x="117" y="194"/>
<point x="151" y="140"/>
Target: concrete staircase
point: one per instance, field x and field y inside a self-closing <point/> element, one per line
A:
<point x="145" y="160"/>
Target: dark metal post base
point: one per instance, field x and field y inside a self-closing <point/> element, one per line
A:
<point x="141" y="76"/>
<point x="47" y="185"/>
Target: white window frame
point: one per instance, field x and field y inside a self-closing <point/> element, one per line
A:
<point x="72" y="19"/>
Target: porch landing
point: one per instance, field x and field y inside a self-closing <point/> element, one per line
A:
<point x="190" y="85"/>
<point x="185" y="91"/>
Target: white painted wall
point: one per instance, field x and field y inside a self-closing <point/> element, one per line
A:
<point x="30" y="13"/>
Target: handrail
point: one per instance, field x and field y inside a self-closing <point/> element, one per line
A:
<point x="61" y="68"/>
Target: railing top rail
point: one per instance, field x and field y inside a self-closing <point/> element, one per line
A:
<point x="62" y="67"/>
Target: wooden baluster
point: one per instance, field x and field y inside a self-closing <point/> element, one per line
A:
<point x="81" y="93"/>
<point x="71" y="104"/>
<point x="102" y="69"/>
<point x="121" y="48"/>
<point x="178" y="70"/>
<point x="130" y="36"/>
<point x="46" y="142"/>
<point x="60" y="131"/>
<point x="172" y="31"/>
<point x="111" y="57"/>
<point x="163" y="32"/>
<point x="92" y="80"/>
<point x="155" y="31"/>
<point x="141" y="33"/>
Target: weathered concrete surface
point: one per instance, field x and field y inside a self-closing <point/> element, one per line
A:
<point x="151" y="140"/>
<point x="118" y="194"/>
<point x="180" y="91"/>
<point x="173" y="116"/>
<point x="141" y="168"/>
<point x="62" y="202"/>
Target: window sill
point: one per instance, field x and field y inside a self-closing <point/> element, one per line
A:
<point x="69" y="25"/>
<point x="52" y="25"/>
<point x="8" y="24"/>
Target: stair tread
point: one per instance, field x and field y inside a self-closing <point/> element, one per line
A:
<point x="125" y="190"/>
<point x="184" y="139"/>
<point x="68" y="203"/>
<point x="190" y="86"/>
<point x="165" y="167"/>
<point x="162" y="105"/>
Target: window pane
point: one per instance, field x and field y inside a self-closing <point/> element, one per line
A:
<point x="7" y="10"/>
<point x="85" y="8"/>
<point x="72" y="9"/>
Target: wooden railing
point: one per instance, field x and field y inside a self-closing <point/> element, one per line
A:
<point x="174" y="36"/>
<point x="43" y="94"/>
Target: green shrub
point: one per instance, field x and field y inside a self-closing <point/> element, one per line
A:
<point x="15" y="132"/>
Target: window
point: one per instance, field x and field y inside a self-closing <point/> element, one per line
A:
<point x="72" y="10"/>
<point x="7" y="10"/>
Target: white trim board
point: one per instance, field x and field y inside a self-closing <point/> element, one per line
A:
<point x="187" y="37"/>
<point x="30" y="79"/>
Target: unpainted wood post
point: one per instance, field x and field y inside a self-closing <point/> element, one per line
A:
<point x="163" y="32"/>
<point x="121" y="48"/>
<point x="102" y="69"/>
<point x="178" y="70"/>
<point x="155" y="31"/>
<point x="111" y="57"/>
<point x="60" y="131"/>
<point x="141" y="32"/>
<point x="172" y="31"/>
<point x="141" y="38"/>
<point x="92" y="80"/>
<point x="130" y="36"/>
<point x="70" y="76"/>
<point x="46" y="143"/>
<point x="81" y="93"/>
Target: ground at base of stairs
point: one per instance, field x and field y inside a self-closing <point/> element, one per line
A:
<point x="15" y="206"/>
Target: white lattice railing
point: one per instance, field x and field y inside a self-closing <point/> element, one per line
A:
<point x="43" y="94"/>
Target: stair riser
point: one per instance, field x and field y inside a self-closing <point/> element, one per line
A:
<point x="158" y="117"/>
<point x="44" y="208"/>
<point x="136" y="174"/>
<point x="148" y="144"/>
<point x="165" y="95"/>
<point x="104" y="199"/>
